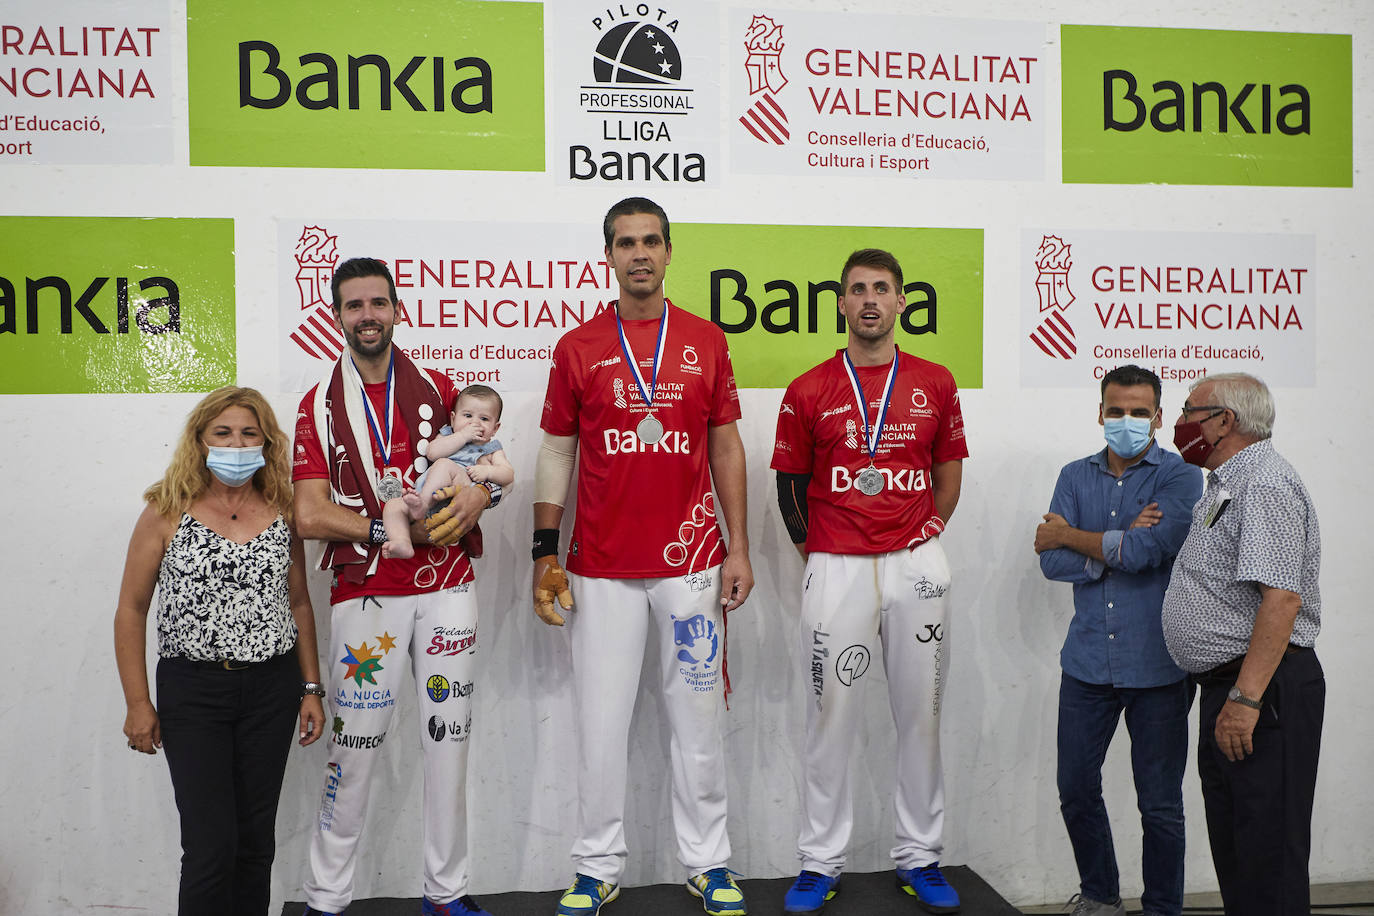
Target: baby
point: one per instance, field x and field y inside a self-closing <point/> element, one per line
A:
<point x="475" y="457"/>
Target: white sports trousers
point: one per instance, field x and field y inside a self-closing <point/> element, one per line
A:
<point x="438" y="631"/>
<point x="609" y="624"/>
<point x="852" y="604"/>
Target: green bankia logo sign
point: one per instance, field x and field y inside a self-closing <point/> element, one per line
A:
<point x="434" y="84"/>
<point x="95" y="305"/>
<point x="1192" y="106"/>
<point x="774" y="290"/>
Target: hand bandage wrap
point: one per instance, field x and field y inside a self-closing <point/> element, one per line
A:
<point x="553" y="585"/>
<point x="553" y="469"/>
<point x="440" y="521"/>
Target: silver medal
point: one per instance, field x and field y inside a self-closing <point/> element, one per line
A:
<point x="389" y="487"/>
<point x="649" y="430"/>
<point x="869" y="481"/>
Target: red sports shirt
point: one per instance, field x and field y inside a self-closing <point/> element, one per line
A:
<point x="643" y="511"/>
<point x="820" y="433"/>
<point x="432" y="568"/>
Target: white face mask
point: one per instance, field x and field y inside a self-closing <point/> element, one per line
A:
<point x="234" y="466"/>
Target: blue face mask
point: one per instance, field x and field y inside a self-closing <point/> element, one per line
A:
<point x="234" y="466"/>
<point x="1128" y="436"/>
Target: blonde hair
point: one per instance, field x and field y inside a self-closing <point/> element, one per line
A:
<point x="187" y="476"/>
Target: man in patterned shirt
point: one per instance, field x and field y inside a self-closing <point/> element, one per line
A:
<point x="869" y="454"/>
<point x="1241" y="614"/>
<point x="644" y="396"/>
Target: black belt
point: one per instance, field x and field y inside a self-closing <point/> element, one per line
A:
<point x="226" y="664"/>
<point x="1227" y="671"/>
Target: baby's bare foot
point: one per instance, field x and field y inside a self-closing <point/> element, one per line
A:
<point x="395" y="550"/>
<point x="414" y="505"/>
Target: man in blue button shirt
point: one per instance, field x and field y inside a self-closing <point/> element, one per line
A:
<point x="1117" y="519"/>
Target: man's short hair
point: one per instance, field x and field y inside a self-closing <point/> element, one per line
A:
<point x="1127" y="376"/>
<point x="629" y="207"/>
<point x="484" y="393"/>
<point x="354" y="268"/>
<point x="872" y="257"/>
<point x="1245" y="396"/>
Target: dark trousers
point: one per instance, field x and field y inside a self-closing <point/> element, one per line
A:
<point x="226" y="735"/>
<point x="1259" y="810"/>
<point x="1157" y="720"/>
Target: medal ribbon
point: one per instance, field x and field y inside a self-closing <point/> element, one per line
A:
<point x="383" y="445"/>
<point x="874" y="433"/>
<point x="647" y="395"/>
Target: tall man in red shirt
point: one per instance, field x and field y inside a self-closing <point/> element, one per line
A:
<point x="869" y="457"/>
<point x="360" y="438"/>
<point x="645" y="393"/>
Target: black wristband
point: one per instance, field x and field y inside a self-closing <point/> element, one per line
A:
<point x="545" y="543"/>
<point x="376" y="533"/>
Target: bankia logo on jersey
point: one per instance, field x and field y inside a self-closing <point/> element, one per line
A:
<point x="1183" y="305"/>
<point x="638" y="92"/>
<point x="430" y="84"/>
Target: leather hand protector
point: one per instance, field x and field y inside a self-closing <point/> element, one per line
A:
<point x="552" y="584"/>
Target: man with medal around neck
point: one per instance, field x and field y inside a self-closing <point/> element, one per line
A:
<point x="644" y="396"/>
<point x="869" y="454"/>
<point x="361" y="436"/>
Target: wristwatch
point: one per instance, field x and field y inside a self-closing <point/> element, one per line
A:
<point x="312" y="688"/>
<point x="1235" y="696"/>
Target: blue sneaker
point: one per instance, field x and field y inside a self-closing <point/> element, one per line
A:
<point x="587" y="896"/>
<point x="720" y="895"/>
<point x="928" y="885"/>
<point x="809" y="893"/>
<point x="463" y="906"/>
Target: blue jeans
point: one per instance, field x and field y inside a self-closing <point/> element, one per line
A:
<point x="1157" y="720"/>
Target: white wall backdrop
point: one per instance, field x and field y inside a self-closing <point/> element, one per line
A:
<point x="89" y="824"/>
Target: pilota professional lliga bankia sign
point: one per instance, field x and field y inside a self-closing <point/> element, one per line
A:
<point x="636" y="93"/>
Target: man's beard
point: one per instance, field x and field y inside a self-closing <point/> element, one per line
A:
<point x="373" y="349"/>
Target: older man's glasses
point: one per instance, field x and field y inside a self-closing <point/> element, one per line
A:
<point x="1215" y="408"/>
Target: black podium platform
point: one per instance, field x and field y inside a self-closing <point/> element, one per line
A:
<point x="874" y="894"/>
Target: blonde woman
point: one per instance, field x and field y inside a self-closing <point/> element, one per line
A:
<point x="236" y="639"/>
